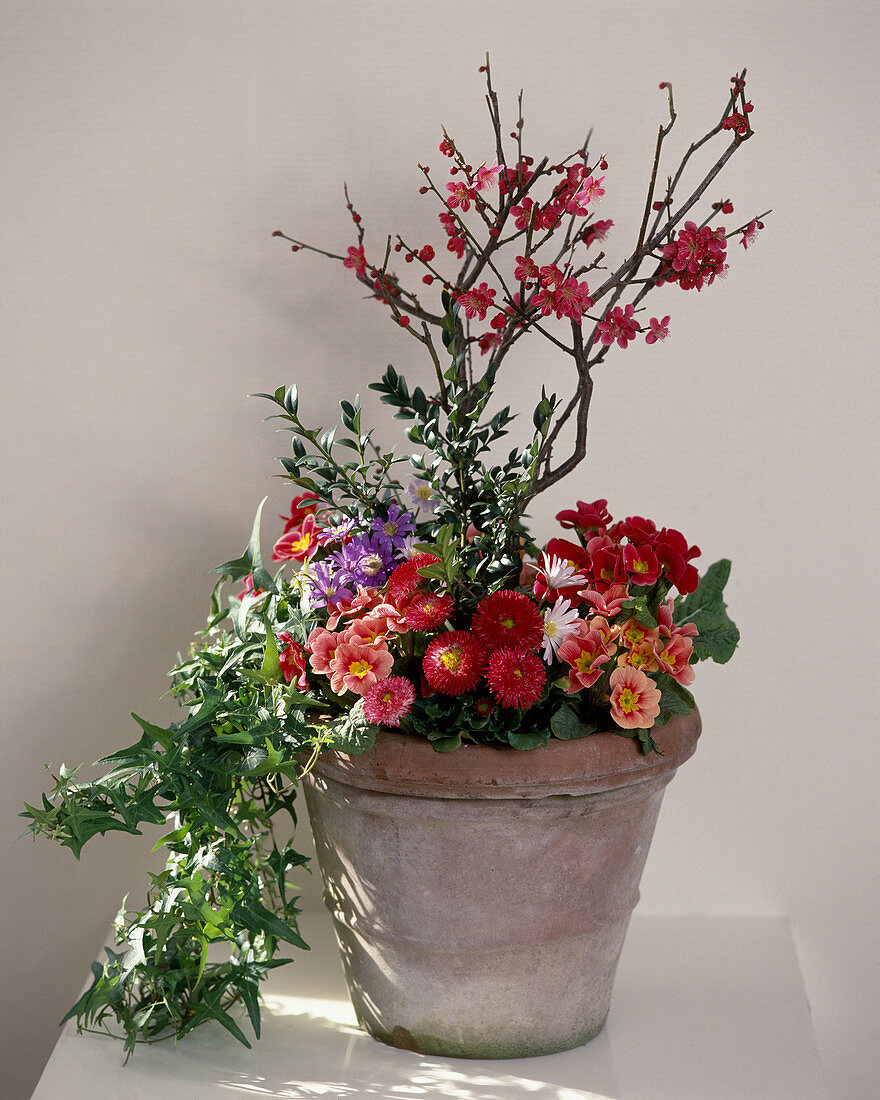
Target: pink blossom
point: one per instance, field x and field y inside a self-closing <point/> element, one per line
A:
<point x="592" y="189"/>
<point x="751" y="232"/>
<point x="585" y="651"/>
<point x="607" y="603"/>
<point x="476" y="301"/>
<point x="460" y="195"/>
<point x="356" y="259"/>
<point x="525" y="269"/>
<point x="618" y="325"/>
<point x="659" y="330"/>
<point x="522" y="214"/>
<point x="486" y="176"/>
<point x="321" y="645"/>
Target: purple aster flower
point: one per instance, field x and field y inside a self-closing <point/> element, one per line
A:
<point x="367" y="558"/>
<point x="335" y="532"/>
<point x="396" y="527"/>
<point x="329" y="585"/>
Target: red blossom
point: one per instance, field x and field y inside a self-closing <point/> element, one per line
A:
<point x="737" y="122"/>
<point x="301" y="506"/>
<point x="695" y="257"/>
<point x="356" y="259"/>
<point x="476" y="301"/>
<point x="659" y="330"/>
<point x="586" y="517"/>
<point x="618" y="325"/>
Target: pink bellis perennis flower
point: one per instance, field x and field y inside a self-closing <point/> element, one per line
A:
<point x="389" y="700"/>
<point x="635" y="699"/>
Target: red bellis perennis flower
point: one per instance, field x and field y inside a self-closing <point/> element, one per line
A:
<point x="508" y="618"/>
<point x="516" y="677"/>
<point x="453" y="662"/>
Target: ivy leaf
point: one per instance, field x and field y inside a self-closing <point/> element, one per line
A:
<point x="351" y="733"/>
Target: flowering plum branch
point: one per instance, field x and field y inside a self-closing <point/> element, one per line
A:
<point x="536" y="253"/>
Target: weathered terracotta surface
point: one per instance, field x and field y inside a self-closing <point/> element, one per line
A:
<point x="481" y="897"/>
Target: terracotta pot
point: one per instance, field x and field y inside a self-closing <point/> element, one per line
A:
<point x="481" y="897"/>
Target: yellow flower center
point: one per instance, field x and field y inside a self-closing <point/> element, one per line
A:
<point x="583" y="663"/>
<point x="668" y="657"/>
<point x="628" y="701"/>
<point x="424" y="492"/>
<point x="451" y="659"/>
<point x="640" y="566"/>
<point x="634" y="635"/>
<point x="300" y="544"/>
<point x="551" y="629"/>
<point x="359" y="668"/>
<point x="508" y="623"/>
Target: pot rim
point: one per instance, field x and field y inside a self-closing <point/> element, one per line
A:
<point x="401" y="763"/>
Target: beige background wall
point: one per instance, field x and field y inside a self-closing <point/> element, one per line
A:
<point x="149" y="150"/>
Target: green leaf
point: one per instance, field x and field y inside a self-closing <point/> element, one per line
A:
<point x="251" y="560"/>
<point x="706" y="609"/>
<point x="567" y="725"/>
<point x="351" y="733"/>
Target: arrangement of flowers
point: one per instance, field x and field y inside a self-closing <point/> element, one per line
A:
<point x="408" y="593"/>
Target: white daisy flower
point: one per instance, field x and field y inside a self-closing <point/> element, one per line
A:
<point x="559" y="621"/>
<point x="559" y="573"/>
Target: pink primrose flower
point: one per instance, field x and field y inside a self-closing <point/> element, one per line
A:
<point x="632" y="633"/>
<point x="673" y="656"/>
<point x="640" y="656"/>
<point x="321" y="645"/>
<point x="585" y="652"/>
<point x="357" y="667"/>
<point x="608" y="603"/>
<point x="635" y="700"/>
